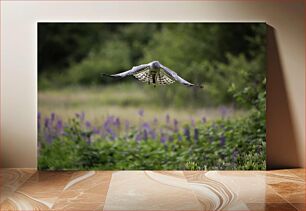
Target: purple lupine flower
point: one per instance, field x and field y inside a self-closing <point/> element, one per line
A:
<point x="138" y="137"/>
<point x="49" y="138"/>
<point x="175" y="123"/>
<point x="187" y="133"/>
<point x="111" y="119"/>
<point x="87" y="124"/>
<point x="59" y="126"/>
<point x="146" y="126"/>
<point x="152" y="134"/>
<point x="146" y="130"/>
<point x="223" y="111"/>
<point x="141" y="112"/>
<point x="204" y="120"/>
<point x="196" y="135"/>
<point x="52" y="117"/>
<point x="111" y="132"/>
<point x="168" y="119"/>
<point x="46" y="122"/>
<point x="180" y="137"/>
<point x="107" y="122"/>
<point x="145" y="135"/>
<point x="117" y="122"/>
<point x="95" y="130"/>
<point x="163" y="138"/>
<point x="107" y="128"/>
<point x="105" y="125"/>
<point x="47" y="133"/>
<point x="222" y="140"/>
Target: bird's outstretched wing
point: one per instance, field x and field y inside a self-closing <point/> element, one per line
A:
<point x="174" y="76"/>
<point x="132" y="71"/>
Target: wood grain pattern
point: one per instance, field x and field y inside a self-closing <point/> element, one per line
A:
<point x="28" y="189"/>
<point x="12" y="179"/>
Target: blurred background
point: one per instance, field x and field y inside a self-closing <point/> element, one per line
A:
<point x="223" y="57"/>
<point x="227" y="58"/>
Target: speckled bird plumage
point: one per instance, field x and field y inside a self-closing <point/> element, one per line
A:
<point x="154" y="73"/>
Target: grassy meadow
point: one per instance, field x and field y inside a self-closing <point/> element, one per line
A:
<point x="125" y="101"/>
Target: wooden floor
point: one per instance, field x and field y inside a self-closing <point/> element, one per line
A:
<point x="28" y="189"/>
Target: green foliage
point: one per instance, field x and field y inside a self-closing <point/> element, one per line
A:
<point x="63" y="154"/>
<point x="215" y="55"/>
<point x="111" y="58"/>
<point x="224" y="144"/>
<point x="60" y="44"/>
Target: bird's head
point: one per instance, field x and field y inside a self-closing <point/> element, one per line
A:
<point x="155" y="65"/>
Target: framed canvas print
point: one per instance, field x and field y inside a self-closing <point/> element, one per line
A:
<point x="151" y="96"/>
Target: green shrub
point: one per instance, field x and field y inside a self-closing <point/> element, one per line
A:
<point x="222" y="144"/>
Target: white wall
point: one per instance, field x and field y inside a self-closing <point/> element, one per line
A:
<point x="19" y="58"/>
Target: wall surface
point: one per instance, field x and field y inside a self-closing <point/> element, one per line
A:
<point x="286" y="65"/>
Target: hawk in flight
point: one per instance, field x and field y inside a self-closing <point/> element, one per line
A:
<point x="154" y="73"/>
